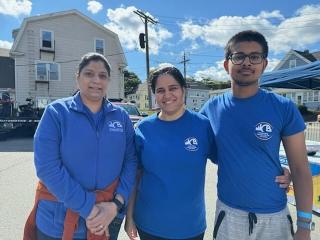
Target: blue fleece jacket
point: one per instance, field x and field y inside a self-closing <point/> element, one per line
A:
<point x="74" y="156"/>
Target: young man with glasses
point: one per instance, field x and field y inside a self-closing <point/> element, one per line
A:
<point x="249" y="123"/>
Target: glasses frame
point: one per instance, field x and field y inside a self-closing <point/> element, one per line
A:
<point x="247" y="56"/>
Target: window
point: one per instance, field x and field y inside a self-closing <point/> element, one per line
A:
<point x="316" y="96"/>
<point x="305" y="97"/>
<point x="310" y="97"/>
<point x="47" y="71"/>
<point x="292" y="63"/>
<point x="47" y="40"/>
<point x="99" y="46"/>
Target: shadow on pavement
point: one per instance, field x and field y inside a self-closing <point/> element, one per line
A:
<point x="17" y="144"/>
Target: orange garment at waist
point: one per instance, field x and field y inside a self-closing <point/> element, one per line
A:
<point x="71" y="219"/>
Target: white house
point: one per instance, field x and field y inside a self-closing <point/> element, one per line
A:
<point x="295" y="58"/>
<point x="140" y="97"/>
<point x="197" y="95"/>
<point x="217" y="92"/>
<point x="48" y="48"/>
<point x="307" y="97"/>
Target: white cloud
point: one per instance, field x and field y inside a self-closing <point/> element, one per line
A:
<point x="273" y="14"/>
<point x="128" y="26"/>
<point x="216" y="72"/>
<point x="161" y="65"/>
<point x="15" y="7"/>
<point x="272" y="63"/>
<point x="94" y="6"/>
<point x="296" y="32"/>
<point x="5" y="44"/>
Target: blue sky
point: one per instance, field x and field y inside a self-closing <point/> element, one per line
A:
<point x="199" y="28"/>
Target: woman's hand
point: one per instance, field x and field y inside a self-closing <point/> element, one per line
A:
<point x="99" y="224"/>
<point x="285" y="179"/>
<point x="130" y="228"/>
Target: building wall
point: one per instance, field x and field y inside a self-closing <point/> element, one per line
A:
<point x="308" y="98"/>
<point x="140" y="97"/>
<point x="4" y="52"/>
<point x="196" y="98"/>
<point x="73" y="37"/>
<point x="299" y="62"/>
<point x="6" y="72"/>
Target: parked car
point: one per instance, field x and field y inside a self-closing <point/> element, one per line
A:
<point x="134" y="114"/>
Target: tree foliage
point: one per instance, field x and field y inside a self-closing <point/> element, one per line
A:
<point x="214" y="84"/>
<point x="131" y="82"/>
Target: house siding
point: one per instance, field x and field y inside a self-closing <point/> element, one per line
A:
<point x="73" y="37"/>
<point x="299" y="62"/>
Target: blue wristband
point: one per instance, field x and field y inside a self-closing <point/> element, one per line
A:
<point x="305" y="215"/>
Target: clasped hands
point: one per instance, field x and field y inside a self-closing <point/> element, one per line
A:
<point x="100" y="217"/>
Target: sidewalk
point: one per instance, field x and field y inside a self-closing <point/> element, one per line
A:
<point x="17" y="172"/>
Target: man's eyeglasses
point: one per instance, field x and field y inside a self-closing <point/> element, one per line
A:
<point x="239" y="58"/>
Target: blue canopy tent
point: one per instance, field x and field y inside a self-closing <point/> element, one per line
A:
<point x="302" y="77"/>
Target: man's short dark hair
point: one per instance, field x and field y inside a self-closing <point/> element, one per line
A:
<point x="246" y="36"/>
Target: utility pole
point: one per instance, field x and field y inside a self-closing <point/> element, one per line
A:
<point x="184" y="61"/>
<point x="145" y="18"/>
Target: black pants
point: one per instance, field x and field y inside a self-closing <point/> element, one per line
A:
<point x="114" y="229"/>
<point x="146" y="236"/>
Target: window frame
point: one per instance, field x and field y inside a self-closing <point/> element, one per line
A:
<point x="47" y="63"/>
<point x="95" y="45"/>
<point x="291" y="61"/>
<point x="52" y="40"/>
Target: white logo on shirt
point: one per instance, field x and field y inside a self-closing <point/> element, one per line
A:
<point x="263" y="131"/>
<point x="115" y="126"/>
<point x="191" y="144"/>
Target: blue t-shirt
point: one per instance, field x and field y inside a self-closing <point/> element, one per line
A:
<point x="248" y="134"/>
<point x="173" y="155"/>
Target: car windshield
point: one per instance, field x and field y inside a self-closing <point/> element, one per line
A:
<point x="131" y="109"/>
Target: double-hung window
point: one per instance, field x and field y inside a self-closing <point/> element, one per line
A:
<point x="47" y="40"/>
<point x="99" y="46"/>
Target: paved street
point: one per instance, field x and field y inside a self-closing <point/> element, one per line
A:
<point x="17" y="173"/>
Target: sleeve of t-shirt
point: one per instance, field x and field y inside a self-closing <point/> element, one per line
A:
<point x="212" y="146"/>
<point x="293" y="122"/>
<point x="203" y="110"/>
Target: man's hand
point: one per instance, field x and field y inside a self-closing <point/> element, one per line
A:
<point x="285" y="179"/>
<point x="302" y="234"/>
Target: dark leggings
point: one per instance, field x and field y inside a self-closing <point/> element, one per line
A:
<point x="146" y="236"/>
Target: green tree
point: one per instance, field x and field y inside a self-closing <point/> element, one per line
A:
<point x="214" y="84"/>
<point x="131" y="82"/>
